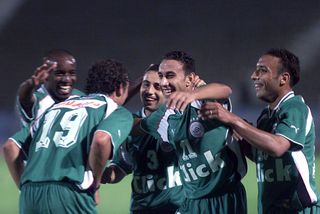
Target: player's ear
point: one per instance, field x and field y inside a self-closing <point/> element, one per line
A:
<point x="119" y="91"/>
<point x="190" y="79"/>
<point x="284" y="78"/>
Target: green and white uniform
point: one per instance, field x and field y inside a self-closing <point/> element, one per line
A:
<point x="156" y="185"/>
<point x="210" y="167"/>
<point x="59" y="150"/>
<point x="43" y="101"/>
<point x="287" y="183"/>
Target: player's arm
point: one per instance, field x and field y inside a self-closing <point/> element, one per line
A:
<point x="110" y="134"/>
<point x="100" y="152"/>
<point x="29" y="86"/>
<point x="120" y="166"/>
<point x="136" y="128"/>
<point x="274" y="145"/>
<point x="180" y="99"/>
<point x="112" y="174"/>
<point x="14" y="160"/>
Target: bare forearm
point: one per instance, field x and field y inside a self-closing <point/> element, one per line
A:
<point x="99" y="154"/>
<point x="212" y="91"/>
<point x="270" y="143"/>
<point x="14" y="161"/>
<point x="25" y="93"/>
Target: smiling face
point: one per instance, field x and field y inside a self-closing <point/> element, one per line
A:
<point x="172" y="77"/>
<point x="267" y="80"/>
<point x="61" y="80"/>
<point x="150" y="92"/>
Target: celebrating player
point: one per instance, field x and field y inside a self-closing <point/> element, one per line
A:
<point x="156" y="185"/>
<point x="71" y="144"/>
<point x="52" y="82"/>
<point x="283" y="144"/>
<point x="208" y="166"/>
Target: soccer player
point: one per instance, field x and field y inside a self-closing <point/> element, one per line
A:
<point x="71" y="144"/>
<point x="283" y="144"/>
<point x="52" y="82"/>
<point x="207" y="163"/>
<point x="156" y="185"/>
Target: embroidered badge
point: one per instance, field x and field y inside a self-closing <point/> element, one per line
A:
<point x="196" y="129"/>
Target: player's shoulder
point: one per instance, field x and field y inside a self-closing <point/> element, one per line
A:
<point x="124" y="111"/>
<point x="294" y="103"/>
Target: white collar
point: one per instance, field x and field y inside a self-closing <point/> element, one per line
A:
<point x="289" y="95"/>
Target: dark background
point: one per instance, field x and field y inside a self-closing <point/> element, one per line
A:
<point x="226" y="38"/>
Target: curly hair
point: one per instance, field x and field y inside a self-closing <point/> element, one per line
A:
<point x="182" y="57"/>
<point x="289" y="63"/>
<point x="105" y="76"/>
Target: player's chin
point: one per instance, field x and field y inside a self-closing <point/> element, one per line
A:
<point x="63" y="96"/>
<point x="151" y="107"/>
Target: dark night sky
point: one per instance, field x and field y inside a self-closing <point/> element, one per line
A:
<point x="225" y="37"/>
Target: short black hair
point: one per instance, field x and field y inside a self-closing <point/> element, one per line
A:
<point x="105" y="76"/>
<point x="290" y="63"/>
<point x="57" y="53"/>
<point x="182" y="57"/>
<point x="152" y="67"/>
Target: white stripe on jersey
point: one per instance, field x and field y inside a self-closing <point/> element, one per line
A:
<point x="164" y="125"/>
<point x="303" y="169"/>
<point x="309" y="121"/>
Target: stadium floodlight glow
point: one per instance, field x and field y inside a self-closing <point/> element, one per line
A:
<point x="7" y="10"/>
<point x="307" y="46"/>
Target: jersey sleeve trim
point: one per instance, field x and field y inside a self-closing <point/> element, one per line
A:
<point x="295" y="146"/>
<point x="113" y="145"/>
<point x="19" y="146"/>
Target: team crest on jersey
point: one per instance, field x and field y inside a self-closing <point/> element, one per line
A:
<point x="196" y="129"/>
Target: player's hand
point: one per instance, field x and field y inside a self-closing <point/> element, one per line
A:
<point x="42" y="72"/>
<point x="179" y="100"/>
<point x="197" y="82"/>
<point x="214" y="110"/>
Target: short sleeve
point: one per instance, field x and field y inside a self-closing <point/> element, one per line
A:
<point x="24" y="118"/>
<point x="23" y="139"/>
<point x="292" y="125"/>
<point x="118" y="124"/>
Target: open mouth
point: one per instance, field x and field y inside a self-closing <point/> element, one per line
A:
<point x="257" y="86"/>
<point x="167" y="91"/>
<point x="150" y="100"/>
<point x="64" y="89"/>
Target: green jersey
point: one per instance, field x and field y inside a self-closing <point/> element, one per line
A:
<point x="43" y="101"/>
<point x="288" y="181"/>
<point x="156" y="182"/>
<point x="208" y="166"/>
<point x="61" y="141"/>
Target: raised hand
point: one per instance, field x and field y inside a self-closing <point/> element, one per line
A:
<point x="42" y="72"/>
